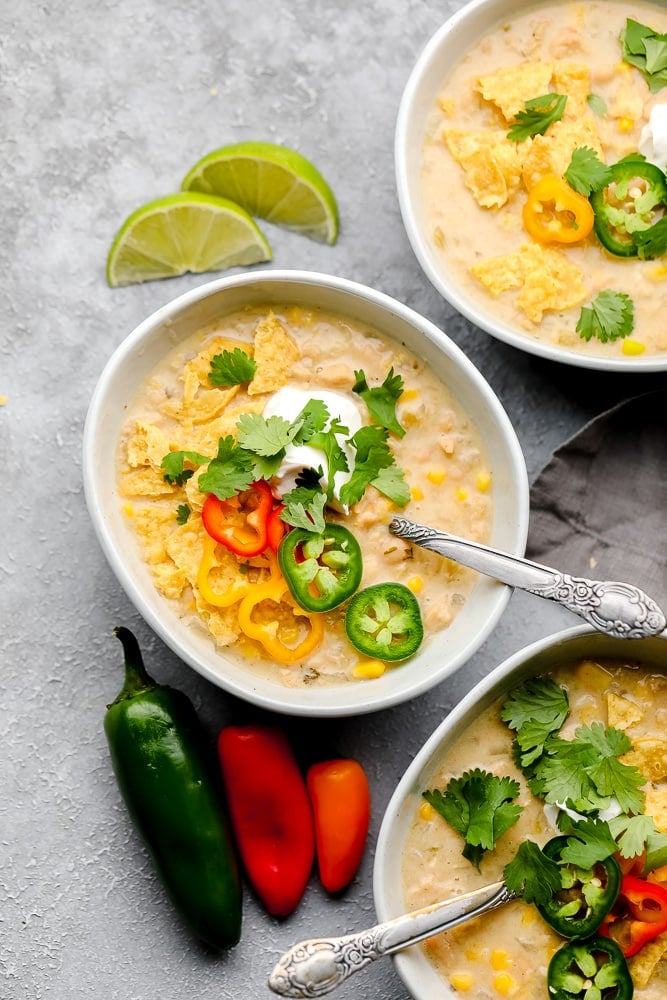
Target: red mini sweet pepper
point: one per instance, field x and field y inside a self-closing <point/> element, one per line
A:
<point x="638" y="916"/>
<point x="270" y="813"/>
<point x="340" y="797"/>
<point x="241" y="522"/>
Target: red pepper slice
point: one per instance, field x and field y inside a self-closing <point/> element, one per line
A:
<point x="241" y="522"/>
<point x="341" y="802"/>
<point x="276" y="527"/>
<point x="638" y="916"/>
<point x="270" y="813"/>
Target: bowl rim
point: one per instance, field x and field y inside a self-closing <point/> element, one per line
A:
<point x="95" y="499"/>
<point x="428" y="56"/>
<point x="483" y="692"/>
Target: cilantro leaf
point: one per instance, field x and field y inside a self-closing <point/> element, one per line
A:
<point x="479" y="807"/>
<point x="304" y="508"/>
<point x="647" y="50"/>
<point x="182" y="513"/>
<point x="390" y="481"/>
<point x="372" y="455"/>
<point x="327" y="441"/>
<point x="532" y="873"/>
<point x="597" y="105"/>
<point x="173" y="466"/>
<point x="381" y="400"/>
<point x="264" y="436"/>
<point x="609" y="317"/>
<point x="652" y="242"/>
<point x="586" y="172"/>
<point x="632" y="833"/>
<point x="538" y="114"/>
<point x="536" y="710"/>
<point x="312" y="419"/>
<point x="230" y="472"/>
<point x="232" y="368"/>
<point x="591" y="841"/>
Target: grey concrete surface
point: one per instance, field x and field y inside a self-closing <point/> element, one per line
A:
<point x="103" y="106"/>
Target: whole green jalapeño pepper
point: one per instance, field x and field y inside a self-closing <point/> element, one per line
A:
<point x="169" y="787"/>
<point x="634" y="200"/>
<point x="595" y="967"/>
<point x="384" y="622"/>
<point x="321" y="570"/>
<point x="586" y="895"/>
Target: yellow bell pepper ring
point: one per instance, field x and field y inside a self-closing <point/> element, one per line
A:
<point x="267" y="631"/>
<point x="241" y="586"/>
<point x="555" y="213"/>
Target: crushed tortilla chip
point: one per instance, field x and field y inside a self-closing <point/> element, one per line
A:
<point x="185" y="546"/>
<point x="169" y="579"/>
<point x="551" y="153"/>
<point x="275" y="353"/>
<point x="491" y="164"/>
<point x="511" y="86"/>
<point x="573" y="79"/>
<point x="656" y="806"/>
<point x="548" y="280"/>
<point x="204" y="437"/>
<point x="202" y="401"/>
<point x="621" y="712"/>
<point x="649" y="756"/>
<point x="145" y="482"/>
<point x="154" y="525"/>
<point x="147" y="446"/>
<point x="644" y="963"/>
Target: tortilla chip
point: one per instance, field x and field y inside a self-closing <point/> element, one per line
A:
<point x="656" y="806"/>
<point x="621" y="712"/>
<point x="649" y="756"/>
<point x="169" y="579"/>
<point x="185" y="546"/>
<point x="643" y="964"/>
<point x="202" y="401"/>
<point x="147" y="446"/>
<point x="204" y="437"/>
<point x="548" y="280"/>
<point x="275" y="353"/>
<point x="490" y="163"/>
<point x="154" y="525"/>
<point x="145" y="482"/>
<point x="551" y="153"/>
<point x="573" y="79"/>
<point x="511" y="86"/>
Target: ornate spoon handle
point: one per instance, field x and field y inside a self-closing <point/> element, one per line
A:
<point x="619" y="609"/>
<point x="315" y="967"/>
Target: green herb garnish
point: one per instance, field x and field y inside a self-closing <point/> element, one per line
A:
<point x="586" y="172"/>
<point x="647" y="50"/>
<point x="610" y="316"/>
<point x="597" y="105"/>
<point x="381" y="400"/>
<point x="232" y="368"/>
<point x="538" y="114"/>
<point x="182" y="513"/>
<point x="173" y="466"/>
<point x="652" y="242"/>
<point x="532" y="874"/>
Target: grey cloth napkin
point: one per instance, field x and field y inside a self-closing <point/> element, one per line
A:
<point x="599" y="507"/>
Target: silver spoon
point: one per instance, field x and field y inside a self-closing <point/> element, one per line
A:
<point x="319" y="965"/>
<point x="618" y="609"/>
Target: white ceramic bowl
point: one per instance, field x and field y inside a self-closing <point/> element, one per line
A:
<point x="145" y="347"/>
<point x="580" y="642"/>
<point x="441" y="53"/>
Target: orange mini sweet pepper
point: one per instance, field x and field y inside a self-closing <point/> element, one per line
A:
<point x="555" y="213"/>
<point x="340" y="797"/>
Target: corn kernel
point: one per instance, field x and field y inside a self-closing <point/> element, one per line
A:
<point x="461" y="494"/>
<point x="461" y="981"/>
<point x="503" y="983"/>
<point x="483" y="481"/>
<point x="369" y="669"/>
<point x="415" y="583"/>
<point x="625" y="124"/>
<point x="438" y="237"/>
<point x="528" y="915"/>
<point x="472" y="954"/>
<point x="436" y="476"/>
<point x="416" y="492"/>
<point x="633" y="347"/>
<point x="657" y="273"/>
<point x="409" y="394"/>
<point x="500" y="959"/>
<point x="128" y="510"/>
<point x="622" y="67"/>
<point x="426" y="812"/>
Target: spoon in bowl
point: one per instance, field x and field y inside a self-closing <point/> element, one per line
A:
<point x="618" y="609"/>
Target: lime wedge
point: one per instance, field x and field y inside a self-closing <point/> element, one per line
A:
<point x="184" y="232"/>
<point x="272" y="182"/>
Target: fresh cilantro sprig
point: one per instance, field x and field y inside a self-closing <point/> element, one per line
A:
<point x="610" y="316"/>
<point x="232" y="368"/>
<point x="182" y="513"/>
<point x="532" y="874"/>
<point x="372" y="455"/>
<point x="586" y="172"/>
<point x="538" y="114"/>
<point x="652" y="242"/>
<point x="231" y="471"/>
<point x="647" y="50"/>
<point x="479" y="806"/>
<point x="381" y="400"/>
<point x="173" y="466"/>
<point x="535" y="711"/>
<point x="304" y="508"/>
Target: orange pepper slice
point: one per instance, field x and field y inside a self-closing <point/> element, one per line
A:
<point x="555" y="213"/>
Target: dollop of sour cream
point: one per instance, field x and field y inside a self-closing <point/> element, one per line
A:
<point x="288" y="404"/>
<point x="653" y="139"/>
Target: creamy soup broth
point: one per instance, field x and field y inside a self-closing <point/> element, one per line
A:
<point x="506" y="952"/>
<point x="441" y="454"/>
<point x="584" y="36"/>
